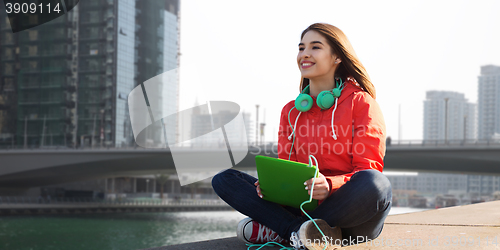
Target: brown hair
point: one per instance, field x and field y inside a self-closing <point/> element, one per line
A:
<point x="350" y="65"/>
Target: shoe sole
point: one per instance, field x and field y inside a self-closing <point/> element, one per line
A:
<point x="239" y="231"/>
<point x="309" y="235"/>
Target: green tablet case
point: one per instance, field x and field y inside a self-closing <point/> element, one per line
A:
<point x="282" y="181"/>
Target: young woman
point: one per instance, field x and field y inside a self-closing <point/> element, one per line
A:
<point x="336" y="119"/>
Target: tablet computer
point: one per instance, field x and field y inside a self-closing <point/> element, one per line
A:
<point x="282" y="181"/>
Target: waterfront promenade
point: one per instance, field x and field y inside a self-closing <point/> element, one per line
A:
<point x="81" y="207"/>
<point x="474" y="226"/>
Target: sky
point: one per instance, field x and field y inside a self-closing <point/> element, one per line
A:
<point x="245" y="52"/>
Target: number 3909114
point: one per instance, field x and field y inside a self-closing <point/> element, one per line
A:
<point x="32" y="8"/>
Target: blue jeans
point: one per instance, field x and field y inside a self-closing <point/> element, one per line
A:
<point x="358" y="208"/>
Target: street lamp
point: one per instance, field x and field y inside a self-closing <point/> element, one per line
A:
<point x="102" y="126"/>
<point x="465" y="128"/>
<point x="147" y="185"/>
<point x="257" y="125"/>
<point x="446" y="120"/>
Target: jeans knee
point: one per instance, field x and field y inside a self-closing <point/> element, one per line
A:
<point x="378" y="182"/>
<point x="219" y="178"/>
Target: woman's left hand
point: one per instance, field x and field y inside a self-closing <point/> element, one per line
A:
<point x="321" y="187"/>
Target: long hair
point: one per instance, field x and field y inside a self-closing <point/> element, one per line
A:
<point x="350" y="65"/>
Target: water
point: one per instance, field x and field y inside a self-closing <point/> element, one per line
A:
<point x="120" y="231"/>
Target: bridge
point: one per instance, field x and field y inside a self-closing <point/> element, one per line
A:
<point x="38" y="167"/>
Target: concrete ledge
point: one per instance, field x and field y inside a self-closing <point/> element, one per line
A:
<point x="231" y="243"/>
<point x="474" y="226"/>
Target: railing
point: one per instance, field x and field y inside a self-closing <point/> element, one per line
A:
<point x="271" y="145"/>
<point x="19" y="200"/>
<point x="443" y="143"/>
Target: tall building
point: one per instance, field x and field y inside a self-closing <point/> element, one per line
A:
<point x="488" y="97"/>
<point x="66" y="82"/>
<point x="202" y="123"/>
<point x="448" y="116"/>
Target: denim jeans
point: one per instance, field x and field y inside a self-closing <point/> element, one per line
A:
<point x="358" y="208"/>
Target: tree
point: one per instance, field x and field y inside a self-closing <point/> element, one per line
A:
<point x="161" y="179"/>
<point x="194" y="188"/>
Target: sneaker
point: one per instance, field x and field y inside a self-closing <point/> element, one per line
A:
<point x="252" y="232"/>
<point x="309" y="236"/>
<point x="295" y="241"/>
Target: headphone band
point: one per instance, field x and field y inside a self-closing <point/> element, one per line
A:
<point x="325" y="99"/>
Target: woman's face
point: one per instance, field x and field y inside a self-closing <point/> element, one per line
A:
<point x="315" y="58"/>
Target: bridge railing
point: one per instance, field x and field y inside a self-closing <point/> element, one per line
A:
<point x="273" y="144"/>
<point x="443" y="143"/>
<point x="19" y="200"/>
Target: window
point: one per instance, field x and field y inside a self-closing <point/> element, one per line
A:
<point x="8" y="54"/>
<point x="32" y="50"/>
<point x="9" y="38"/>
<point x="33" y="19"/>
<point x="93" y="64"/>
<point x="9" y="85"/>
<point x="33" y="65"/>
<point x="9" y="69"/>
<point x="33" y="35"/>
<point x="93" y="32"/>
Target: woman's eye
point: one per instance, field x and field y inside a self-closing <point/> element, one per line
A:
<point x="301" y="49"/>
<point x="315" y="47"/>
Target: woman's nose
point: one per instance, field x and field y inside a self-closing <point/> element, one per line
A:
<point x="305" y="54"/>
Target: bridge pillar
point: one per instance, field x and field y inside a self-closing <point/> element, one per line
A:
<point x="113" y="185"/>
<point x="154" y="185"/>
<point x="135" y="185"/>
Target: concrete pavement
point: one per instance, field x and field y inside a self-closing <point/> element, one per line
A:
<point x="474" y="226"/>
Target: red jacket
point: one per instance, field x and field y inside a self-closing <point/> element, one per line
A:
<point x="360" y="129"/>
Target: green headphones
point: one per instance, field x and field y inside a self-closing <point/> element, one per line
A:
<point x="324" y="100"/>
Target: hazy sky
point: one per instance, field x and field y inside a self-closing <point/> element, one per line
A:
<point x="245" y="51"/>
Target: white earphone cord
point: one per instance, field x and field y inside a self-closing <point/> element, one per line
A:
<point x="333" y="114"/>
<point x="333" y="130"/>
<point x="294" y="127"/>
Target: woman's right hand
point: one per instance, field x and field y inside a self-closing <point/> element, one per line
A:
<point x="258" y="189"/>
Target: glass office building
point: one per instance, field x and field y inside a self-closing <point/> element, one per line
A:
<point x="488" y="98"/>
<point x="65" y="83"/>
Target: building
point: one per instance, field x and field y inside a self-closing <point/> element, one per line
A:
<point x="65" y="83"/>
<point x="483" y="184"/>
<point x="429" y="183"/>
<point x="202" y="123"/>
<point x="448" y="116"/>
<point x="441" y="184"/>
<point x="433" y="183"/>
<point x="488" y="97"/>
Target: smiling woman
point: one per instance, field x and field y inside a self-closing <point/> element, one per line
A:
<point x="338" y="121"/>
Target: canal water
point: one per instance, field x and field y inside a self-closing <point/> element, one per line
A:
<point x="120" y="231"/>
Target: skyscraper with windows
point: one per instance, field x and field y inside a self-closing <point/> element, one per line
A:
<point x="66" y="82"/>
<point x="448" y="116"/>
<point x="488" y="97"/>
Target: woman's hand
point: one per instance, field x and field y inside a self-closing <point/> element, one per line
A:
<point x="321" y="187"/>
<point x="258" y="189"/>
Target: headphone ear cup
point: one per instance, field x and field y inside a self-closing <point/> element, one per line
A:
<point x="303" y="103"/>
<point x="325" y="99"/>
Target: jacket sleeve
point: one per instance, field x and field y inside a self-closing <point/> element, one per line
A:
<point x="285" y="145"/>
<point x="368" y="143"/>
